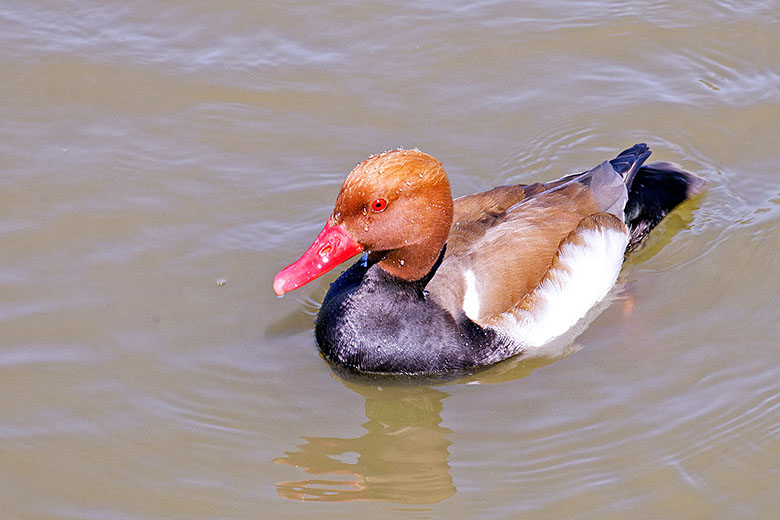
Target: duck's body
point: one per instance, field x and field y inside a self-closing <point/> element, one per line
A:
<point x="451" y="285"/>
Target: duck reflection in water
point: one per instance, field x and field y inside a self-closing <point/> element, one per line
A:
<point x="402" y="458"/>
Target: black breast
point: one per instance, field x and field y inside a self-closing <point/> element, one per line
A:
<point x="371" y="321"/>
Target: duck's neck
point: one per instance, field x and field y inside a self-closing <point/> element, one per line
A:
<point x="408" y="265"/>
<point x="410" y="262"/>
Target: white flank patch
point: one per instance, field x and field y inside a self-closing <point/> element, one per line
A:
<point x="471" y="298"/>
<point x="585" y="276"/>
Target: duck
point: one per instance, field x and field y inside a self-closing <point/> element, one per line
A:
<point x="446" y="286"/>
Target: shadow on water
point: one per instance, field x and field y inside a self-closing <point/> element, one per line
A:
<point x="403" y="456"/>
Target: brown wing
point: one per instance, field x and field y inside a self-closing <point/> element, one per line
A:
<point x="491" y="203"/>
<point x="472" y="213"/>
<point x="509" y="247"/>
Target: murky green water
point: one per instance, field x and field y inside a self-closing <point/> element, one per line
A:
<point x="161" y="161"/>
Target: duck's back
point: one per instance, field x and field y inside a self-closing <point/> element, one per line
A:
<point x="497" y="256"/>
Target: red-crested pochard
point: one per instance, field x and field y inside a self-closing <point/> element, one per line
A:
<point x="452" y="285"/>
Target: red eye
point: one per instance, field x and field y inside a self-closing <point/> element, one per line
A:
<point x="378" y="205"/>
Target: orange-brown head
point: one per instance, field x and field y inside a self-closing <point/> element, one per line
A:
<point x="397" y="205"/>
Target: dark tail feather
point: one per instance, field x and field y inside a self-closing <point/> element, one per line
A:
<point x="628" y="162"/>
<point x="655" y="191"/>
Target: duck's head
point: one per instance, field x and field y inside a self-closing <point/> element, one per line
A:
<point x="396" y="205"/>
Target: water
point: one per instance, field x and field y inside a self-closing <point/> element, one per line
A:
<point x="161" y="161"/>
